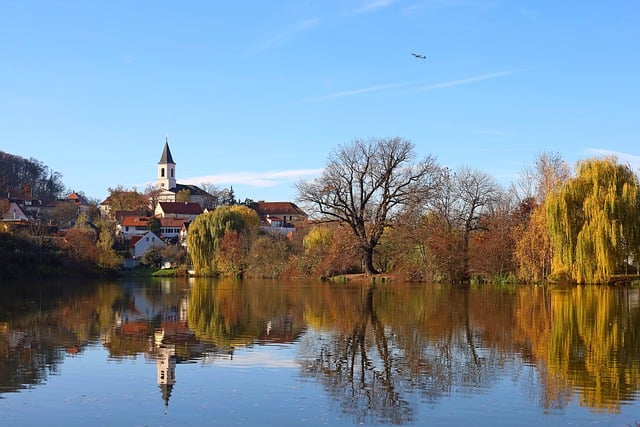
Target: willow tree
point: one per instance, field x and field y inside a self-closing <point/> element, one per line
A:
<point x="364" y="185"/>
<point x="594" y="221"/>
<point x="208" y="230"/>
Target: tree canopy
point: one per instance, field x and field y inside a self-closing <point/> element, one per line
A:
<point x="365" y="183"/>
<point x="208" y="230"/>
<point x="594" y="221"/>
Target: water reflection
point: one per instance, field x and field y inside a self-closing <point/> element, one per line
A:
<point x="377" y="351"/>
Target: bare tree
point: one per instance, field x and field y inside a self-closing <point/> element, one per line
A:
<point x="152" y="192"/>
<point x="364" y="185"/>
<point x="462" y="199"/>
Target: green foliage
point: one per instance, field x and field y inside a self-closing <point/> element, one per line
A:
<point x="594" y="221"/>
<point x="183" y="196"/>
<point x="107" y="258"/>
<point x="207" y="231"/>
<point x="152" y="257"/>
<point x="154" y="225"/>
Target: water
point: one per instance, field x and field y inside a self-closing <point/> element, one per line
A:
<point x="174" y="352"/>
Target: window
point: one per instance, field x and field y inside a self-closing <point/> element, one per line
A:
<point x="171" y="172"/>
<point x="162" y="172"/>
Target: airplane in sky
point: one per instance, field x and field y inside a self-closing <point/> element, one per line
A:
<point x="417" y="55"/>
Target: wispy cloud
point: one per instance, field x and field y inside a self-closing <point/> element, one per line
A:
<point x="374" y="5"/>
<point x="287" y="33"/>
<point x="443" y="85"/>
<point x="469" y="80"/>
<point x="632" y="159"/>
<point x="370" y="89"/>
<point x="255" y="179"/>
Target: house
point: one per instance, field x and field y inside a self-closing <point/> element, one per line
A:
<point x="182" y="238"/>
<point x="130" y="225"/>
<point x="29" y="206"/>
<point x="188" y="210"/>
<point x="280" y="217"/>
<point x="15" y="212"/>
<point x="80" y="202"/>
<point x="141" y="244"/>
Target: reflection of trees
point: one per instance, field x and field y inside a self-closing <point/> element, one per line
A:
<point x="231" y="312"/>
<point x="40" y="322"/>
<point x="589" y="341"/>
<point x="594" y="341"/>
<point x="356" y="367"/>
<point x="400" y="344"/>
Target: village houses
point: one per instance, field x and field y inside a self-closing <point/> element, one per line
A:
<point x="175" y="216"/>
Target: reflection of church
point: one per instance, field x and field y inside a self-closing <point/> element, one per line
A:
<point x="166" y="366"/>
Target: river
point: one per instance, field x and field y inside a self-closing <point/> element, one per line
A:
<point x="175" y="352"/>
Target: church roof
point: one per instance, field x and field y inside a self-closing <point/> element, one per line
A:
<point x="166" y="154"/>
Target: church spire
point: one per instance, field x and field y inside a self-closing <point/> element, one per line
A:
<point x="166" y="153"/>
<point x="166" y="168"/>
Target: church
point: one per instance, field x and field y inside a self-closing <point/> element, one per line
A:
<point x="168" y="185"/>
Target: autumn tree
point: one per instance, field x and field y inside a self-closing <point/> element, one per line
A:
<point x="208" y="230"/>
<point x="594" y="221"/>
<point x="462" y="200"/>
<point x="364" y="185"/>
<point x="533" y="251"/>
<point x="122" y="199"/>
<point x="152" y="193"/>
<point x="106" y="256"/>
<point x="183" y="196"/>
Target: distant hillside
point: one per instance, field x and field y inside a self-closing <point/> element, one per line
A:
<point x="28" y="178"/>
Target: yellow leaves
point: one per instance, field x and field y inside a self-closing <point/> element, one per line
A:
<point x="589" y="217"/>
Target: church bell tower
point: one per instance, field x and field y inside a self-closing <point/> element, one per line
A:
<point x="166" y="168"/>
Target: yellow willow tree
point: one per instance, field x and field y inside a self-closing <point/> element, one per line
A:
<point x="594" y="221"/>
<point x="208" y="230"/>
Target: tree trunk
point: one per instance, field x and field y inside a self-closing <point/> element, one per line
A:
<point x="369" y="269"/>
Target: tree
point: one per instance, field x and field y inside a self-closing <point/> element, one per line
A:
<point x="208" y="230"/>
<point x="106" y="256"/>
<point x="122" y="199"/>
<point x="183" y="196"/>
<point x="462" y="200"/>
<point x="4" y="207"/>
<point x="364" y="185"/>
<point x="533" y="250"/>
<point x="154" y="225"/>
<point x="594" y="221"/>
<point x="152" y="193"/>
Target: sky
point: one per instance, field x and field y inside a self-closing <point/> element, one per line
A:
<point x="255" y="95"/>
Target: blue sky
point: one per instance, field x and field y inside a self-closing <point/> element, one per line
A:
<point x="256" y="94"/>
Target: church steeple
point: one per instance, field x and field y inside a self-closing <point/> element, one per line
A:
<point x="166" y="168"/>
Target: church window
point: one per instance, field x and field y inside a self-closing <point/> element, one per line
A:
<point x="172" y="173"/>
<point x="162" y="172"/>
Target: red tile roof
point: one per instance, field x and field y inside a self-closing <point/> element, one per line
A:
<point x="134" y="221"/>
<point x="180" y="208"/>
<point x="279" y="208"/>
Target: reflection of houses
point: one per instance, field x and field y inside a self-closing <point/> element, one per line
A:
<point x="281" y="329"/>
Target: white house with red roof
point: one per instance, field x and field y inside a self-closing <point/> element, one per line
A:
<point x="130" y="226"/>
<point x="141" y="244"/>
<point x="188" y="210"/>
